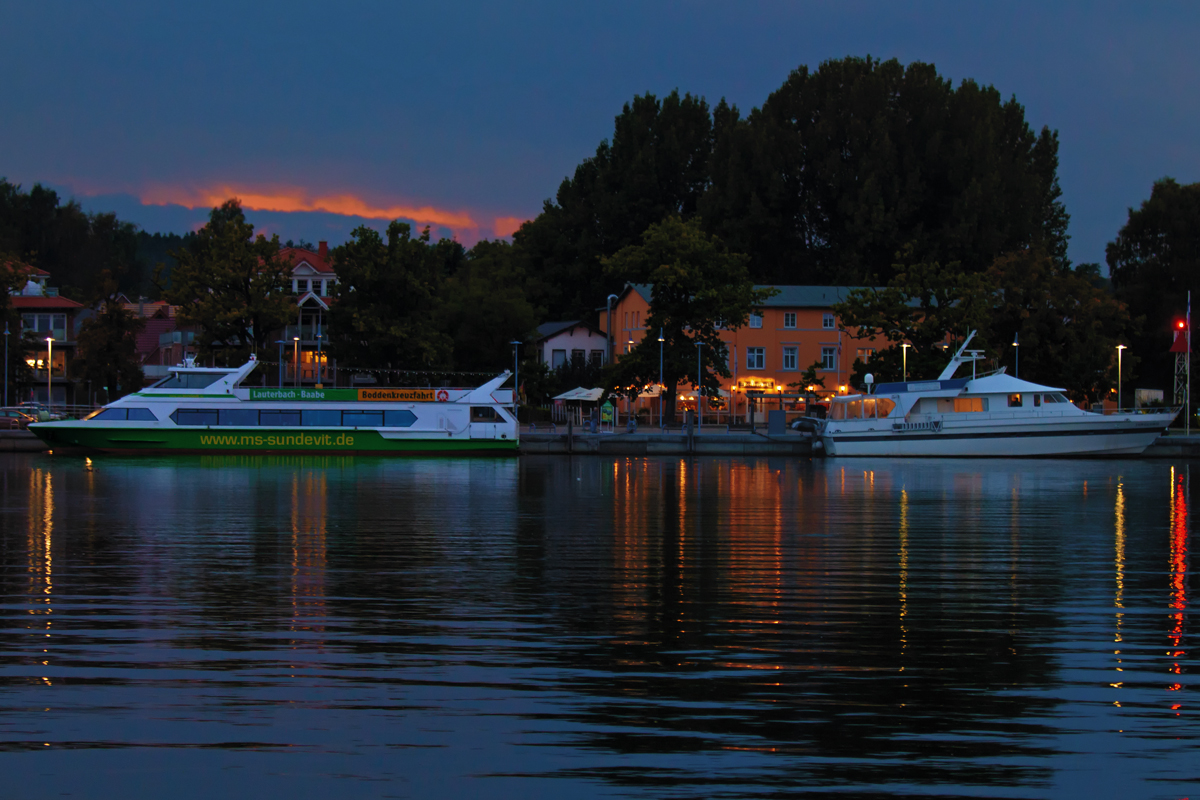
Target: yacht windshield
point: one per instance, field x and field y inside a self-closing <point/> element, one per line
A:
<point x="189" y="380"/>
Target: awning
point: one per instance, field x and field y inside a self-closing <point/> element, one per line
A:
<point x="580" y="393"/>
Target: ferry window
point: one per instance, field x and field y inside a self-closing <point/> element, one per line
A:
<point x="1037" y="400"/>
<point x="289" y="418"/>
<point x="362" y="419"/>
<point x="321" y="418"/>
<point x="189" y="380"/>
<point x="399" y="419"/>
<point x="194" y="416"/>
<point x="111" y="413"/>
<point x="142" y="415"/>
<point x="483" y="414"/>
<point x="238" y="416"/>
<point x="968" y="404"/>
<point x="1014" y="401"/>
<point x="884" y="406"/>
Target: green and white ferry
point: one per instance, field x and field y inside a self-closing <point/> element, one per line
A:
<point x="208" y="410"/>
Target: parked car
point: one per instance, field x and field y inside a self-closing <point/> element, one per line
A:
<point x="15" y="419"/>
<point x="38" y="411"/>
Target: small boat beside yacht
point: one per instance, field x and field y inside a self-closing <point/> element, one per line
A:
<point x="993" y="415"/>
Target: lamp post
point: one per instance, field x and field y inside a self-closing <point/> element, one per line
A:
<point x="1120" y="347"/>
<point x="1017" y="357"/>
<point x="296" y="361"/>
<point x="608" y="326"/>
<point x="516" y="378"/>
<point x="661" y="388"/>
<point x="281" y="343"/>
<point x="6" y="363"/>
<point x="904" y="358"/>
<point x="320" y="363"/>
<point x="49" y="372"/>
<point x="699" y="385"/>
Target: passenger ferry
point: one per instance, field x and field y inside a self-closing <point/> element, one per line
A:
<point x="992" y="415"/>
<point x="208" y="410"/>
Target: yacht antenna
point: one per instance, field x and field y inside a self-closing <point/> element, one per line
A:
<point x="948" y="372"/>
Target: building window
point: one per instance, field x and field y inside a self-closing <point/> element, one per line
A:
<point x="756" y="358"/>
<point x="827" y="321"/>
<point x="558" y="358"/>
<point x="43" y="325"/>
<point x="301" y="285"/>
<point x="789" y="358"/>
<point x="865" y="354"/>
<point x="576" y="356"/>
<point x="756" y="320"/>
<point x="597" y="357"/>
<point x="789" y="319"/>
<point x="828" y="358"/>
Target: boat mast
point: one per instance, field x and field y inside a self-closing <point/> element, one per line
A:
<point x="948" y="372"/>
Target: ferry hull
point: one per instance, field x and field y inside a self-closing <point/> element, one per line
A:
<point x="65" y="436"/>
<point x="1104" y="440"/>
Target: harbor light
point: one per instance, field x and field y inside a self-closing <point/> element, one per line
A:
<point x="1120" y="347"/>
<point x="49" y="372"/>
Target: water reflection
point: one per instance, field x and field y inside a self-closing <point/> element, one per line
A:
<point x="657" y="627"/>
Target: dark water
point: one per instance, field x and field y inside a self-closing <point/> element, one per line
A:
<point x="250" y="627"/>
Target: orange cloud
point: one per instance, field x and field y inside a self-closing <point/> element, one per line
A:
<point x="506" y="226"/>
<point x="292" y="200"/>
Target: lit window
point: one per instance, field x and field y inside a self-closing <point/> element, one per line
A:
<point x="789" y="319"/>
<point x="756" y="320"/>
<point x="1014" y="401"/>
<point x="756" y="358"/>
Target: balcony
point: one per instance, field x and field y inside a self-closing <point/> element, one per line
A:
<point x="307" y="334"/>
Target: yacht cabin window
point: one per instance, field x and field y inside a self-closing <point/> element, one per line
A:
<point x="1037" y="400"/>
<point x="1057" y="397"/>
<point x="1014" y="401"/>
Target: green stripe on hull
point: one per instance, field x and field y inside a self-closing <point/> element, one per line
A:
<point x="201" y="440"/>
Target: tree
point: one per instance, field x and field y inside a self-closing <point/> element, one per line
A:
<point x="655" y="166"/>
<point x="698" y="287"/>
<point x="923" y="305"/>
<point x="232" y="285"/>
<point x="844" y="166"/>
<point x="486" y="308"/>
<point x="107" y="351"/>
<point x="1154" y="262"/>
<point x="387" y="313"/>
<point x="1067" y="328"/>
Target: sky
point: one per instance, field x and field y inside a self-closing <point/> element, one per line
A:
<point x="467" y="116"/>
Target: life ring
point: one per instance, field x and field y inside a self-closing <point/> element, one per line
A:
<point x="443" y="395"/>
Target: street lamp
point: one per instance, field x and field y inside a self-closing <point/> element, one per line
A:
<point x="1017" y="357"/>
<point x="699" y="386"/>
<point x="904" y="358"/>
<point x="281" y="343"/>
<point x="296" y="361"/>
<point x="6" y="363"/>
<point x="1120" y="347"/>
<point x="660" y="377"/>
<point x="49" y="372"/>
<point x="320" y="363"/>
<point x="608" y="332"/>
<point x="516" y="378"/>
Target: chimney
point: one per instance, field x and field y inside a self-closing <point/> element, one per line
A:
<point x="323" y="250"/>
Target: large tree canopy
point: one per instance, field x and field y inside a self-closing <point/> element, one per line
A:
<point x="234" y="286"/>
<point x="655" y="166"/>
<point x="698" y="287"/>
<point x="1154" y="262"/>
<point x="387" y="308"/>
<point x="844" y="167"/>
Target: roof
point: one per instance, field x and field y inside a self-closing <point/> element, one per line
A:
<point x="580" y="393"/>
<point x="297" y="256"/>
<point x="39" y="301"/>
<point x="807" y="296"/>
<point x="147" y="340"/>
<point x="548" y="329"/>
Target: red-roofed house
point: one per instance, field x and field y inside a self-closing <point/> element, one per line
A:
<point x="45" y="315"/>
<point x="313" y="280"/>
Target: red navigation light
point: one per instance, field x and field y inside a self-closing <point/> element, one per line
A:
<point x="1180" y="324"/>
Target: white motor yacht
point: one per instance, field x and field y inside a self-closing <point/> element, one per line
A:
<point x="993" y="415"/>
